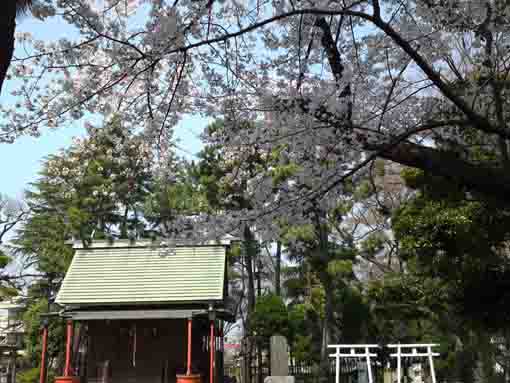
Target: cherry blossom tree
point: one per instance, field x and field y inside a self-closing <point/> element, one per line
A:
<point x="13" y="8"/>
<point x="333" y="84"/>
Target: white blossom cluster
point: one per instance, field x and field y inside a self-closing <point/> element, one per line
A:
<point x="327" y="85"/>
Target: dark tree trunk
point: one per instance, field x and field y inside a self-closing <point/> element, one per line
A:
<point x="259" y="278"/>
<point x="277" y="269"/>
<point x="123" y="226"/>
<point x="327" y="325"/>
<point x="259" y="341"/>
<point x="7" y="29"/>
<point x="249" y="257"/>
<point x="323" y="257"/>
<point x="250" y="252"/>
<point x="308" y="275"/>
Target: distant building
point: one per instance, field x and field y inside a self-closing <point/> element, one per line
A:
<point x="11" y="339"/>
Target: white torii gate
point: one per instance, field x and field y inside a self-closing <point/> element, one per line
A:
<point x="365" y="351"/>
<point x="353" y="353"/>
<point x="411" y="351"/>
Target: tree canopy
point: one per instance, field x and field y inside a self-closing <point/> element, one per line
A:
<point x="310" y="97"/>
<point x="333" y="84"/>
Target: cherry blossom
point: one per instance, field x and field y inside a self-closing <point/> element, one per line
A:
<point x="328" y="85"/>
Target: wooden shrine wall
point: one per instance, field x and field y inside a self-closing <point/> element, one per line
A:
<point x="158" y="355"/>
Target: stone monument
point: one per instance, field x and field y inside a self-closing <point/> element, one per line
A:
<point x="279" y="361"/>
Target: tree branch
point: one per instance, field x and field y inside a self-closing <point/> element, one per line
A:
<point x="7" y="30"/>
<point x="492" y="181"/>
<point x="479" y="122"/>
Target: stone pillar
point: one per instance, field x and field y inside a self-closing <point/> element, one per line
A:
<point x="279" y="356"/>
<point x="362" y="372"/>
<point x="388" y="375"/>
<point x="279" y="361"/>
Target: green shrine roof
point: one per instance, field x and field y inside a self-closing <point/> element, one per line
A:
<point x="126" y="273"/>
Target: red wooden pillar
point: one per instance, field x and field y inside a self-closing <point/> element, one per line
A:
<point x="42" y="375"/>
<point x="189" y="377"/>
<point x="188" y="370"/>
<point x="67" y="369"/>
<point x="211" y="351"/>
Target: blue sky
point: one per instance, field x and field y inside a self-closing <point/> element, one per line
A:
<point x="21" y="161"/>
